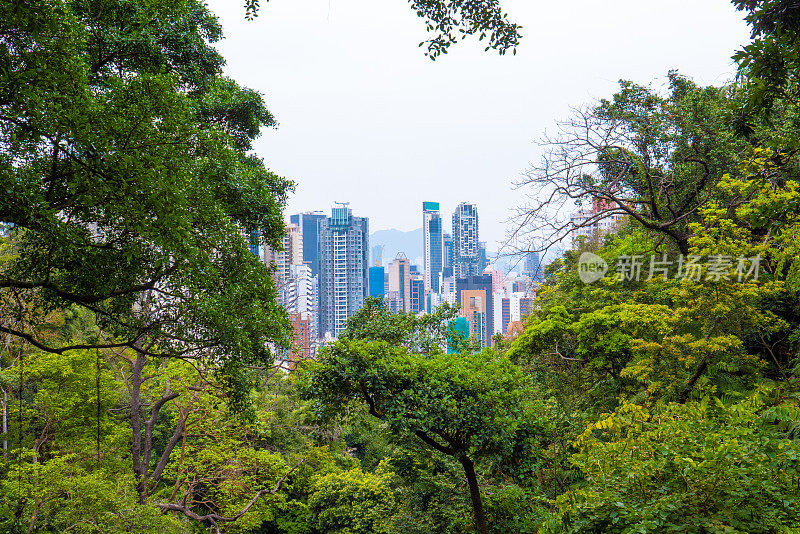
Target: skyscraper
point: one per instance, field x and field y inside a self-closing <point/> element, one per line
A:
<point x="417" y="294"/>
<point x="300" y="300"/>
<point x="376" y="282"/>
<point x="482" y="283"/>
<point x="292" y="248"/>
<point x="432" y="246"/>
<point x="400" y="281"/>
<point x="308" y="224"/>
<point x="448" y="255"/>
<point x="300" y="291"/>
<point x="343" y="266"/>
<point x="282" y="259"/>
<point x="465" y="240"/>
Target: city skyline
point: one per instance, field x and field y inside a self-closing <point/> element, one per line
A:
<point x="324" y="274"/>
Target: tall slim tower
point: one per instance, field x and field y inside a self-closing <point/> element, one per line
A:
<point x="432" y="246"/>
<point x="300" y="298"/>
<point x="447" y="255"/>
<point x="400" y="281"/>
<point x="465" y="240"/>
<point x="343" y="267"/>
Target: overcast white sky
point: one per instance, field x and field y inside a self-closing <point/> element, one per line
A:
<point x="365" y="117"/>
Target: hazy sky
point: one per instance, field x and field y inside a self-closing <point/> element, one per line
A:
<point x="365" y="117"/>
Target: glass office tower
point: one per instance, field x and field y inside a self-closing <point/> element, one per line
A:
<point x="432" y="246"/>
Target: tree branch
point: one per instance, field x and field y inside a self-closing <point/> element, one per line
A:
<point x="214" y="518"/>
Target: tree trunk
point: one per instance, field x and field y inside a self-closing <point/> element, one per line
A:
<point x="683" y="396"/>
<point x="139" y="470"/>
<point x="142" y="429"/>
<point x="475" y="494"/>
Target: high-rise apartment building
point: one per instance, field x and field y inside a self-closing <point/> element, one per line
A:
<point x="303" y="339"/>
<point x="292" y="248"/>
<point x="400" y="281"/>
<point x="590" y="224"/>
<point x="465" y="241"/>
<point x="505" y="314"/>
<point x="483" y="284"/>
<point x="282" y="259"/>
<point x="301" y="301"/>
<point x="432" y="246"/>
<point x="343" y="255"/>
<point x="476" y="308"/>
<point x="497" y="279"/>
<point x="521" y="305"/>
<point x="300" y="290"/>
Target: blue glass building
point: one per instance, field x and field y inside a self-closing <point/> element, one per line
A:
<point x="460" y="328"/>
<point x="377" y="275"/>
<point x="255" y="243"/>
<point x="309" y="228"/>
<point x="447" y="255"/>
<point x="432" y="246"/>
<point x="417" y="295"/>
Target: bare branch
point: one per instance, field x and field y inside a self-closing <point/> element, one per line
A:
<point x="214" y="518"/>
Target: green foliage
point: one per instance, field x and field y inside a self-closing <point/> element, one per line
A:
<point x="353" y="502"/>
<point x="429" y="333"/>
<point x="66" y="494"/>
<point x="128" y="181"/>
<point x="697" y="467"/>
<point x="471" y="407"/>
<point x="126" y="288"/>
<point x="475" y="401"/>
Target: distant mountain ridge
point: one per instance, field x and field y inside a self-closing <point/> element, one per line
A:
<point x="394" y="241"/>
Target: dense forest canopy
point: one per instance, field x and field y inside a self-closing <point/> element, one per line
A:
<point x="139" y="336"/>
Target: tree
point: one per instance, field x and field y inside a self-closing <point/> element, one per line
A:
<point x="648" y="157"/>
<point x="128" y="181"/>
<point x="426" y="334"/>
<point x="768" y="66"/>
<point x="353" y="502"/>
<point x="700" y="467"/>
<point x="65" y="469"/>
<point x="468" y="407"/>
